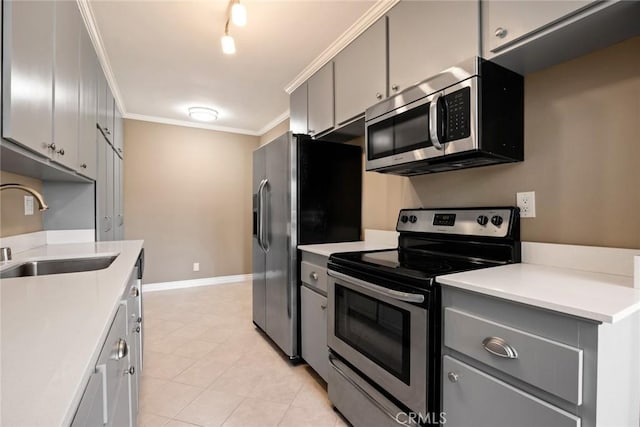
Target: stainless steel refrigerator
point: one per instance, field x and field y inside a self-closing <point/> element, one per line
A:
<point x="304" y="192"/>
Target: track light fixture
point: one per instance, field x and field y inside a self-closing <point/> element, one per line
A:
<point x="237" y="14"/>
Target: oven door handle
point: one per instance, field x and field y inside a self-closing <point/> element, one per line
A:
<point x="391" y="293"/>
<point x="332" y="361"/>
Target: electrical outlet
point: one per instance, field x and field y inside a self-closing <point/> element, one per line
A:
<point x="196" y="266"/>
<point x="28" y="205"/>
<point x="527" y="204"/>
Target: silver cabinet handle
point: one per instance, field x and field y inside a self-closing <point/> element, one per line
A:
<point x="60" y="151"/>
<point x="120" y="350"/>
<point x="52" y="146"/>
<point x="107" y="131"/>
<point x="323" y="306"/>
<point x="379" y="95"/>
<point x="395" y="88"/>
<point x="83" y="166"/>
<point x="139" y="320"/>
<point x="135" y="292"/>
<point x="453" y="377"/>
<point x="137" y="329"/>
<point x="130" y="371"/>
<point x="499" y="347"/>
<point x="314" y="275"/>
<point x="500" y="32"/>
<point x="119" y="150"/>
<point x="433" y="122"/>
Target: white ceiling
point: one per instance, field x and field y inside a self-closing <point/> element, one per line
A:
<point x="165" y="56"/>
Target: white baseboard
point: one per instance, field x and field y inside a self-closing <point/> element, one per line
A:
<point x="194" y="283"/>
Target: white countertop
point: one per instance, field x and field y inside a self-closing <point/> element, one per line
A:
<point x="326" y="249"/>
<point x="596" y="296"/>
<point x="52" y="330"/>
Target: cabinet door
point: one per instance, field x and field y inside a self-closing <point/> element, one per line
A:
<point x="314" y="331"/>
<point x="110" y="116"/>
<point x="118" y="215"/>
<point x="87" y="139"/>
<point x="66" y="83"/>
<point x="104" y="191"/>
<point x="28" y="37"/>
<point x="102" y="100"/>
<point x="118" y="131"/>
<point x="361" y="73"/>
<point x="298" y="110"/>
<point x="90" y="410"/>
<point x="320" y="87"/>
<point x="423" y="41"/>
<point x="471" y="397"/>
<point x="507" y="21"/>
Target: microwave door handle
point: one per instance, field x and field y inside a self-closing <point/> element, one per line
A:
<point x="433" y="122"/>
<point x="391" y="293"/>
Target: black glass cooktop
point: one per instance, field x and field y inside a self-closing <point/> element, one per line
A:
<point x="416" y="267"/>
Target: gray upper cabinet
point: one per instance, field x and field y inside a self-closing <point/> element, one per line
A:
<point x="66" y="83"/>
<point x="87" y="141"/>
<point x="320" y="102"/>
<point x="28" y="37"/>
<point x="118" y="131"/>
<point x="298" y="110"/>
<point x="506" y="22"/>
<point x="426" y="37"/>
<point x="110" y="116"/>
<point x="102" y="88"/>
<point x="360" y="73"/>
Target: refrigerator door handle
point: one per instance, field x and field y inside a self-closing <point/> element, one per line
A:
<point x="260" y="214"/>
<point x="264" y="214"/>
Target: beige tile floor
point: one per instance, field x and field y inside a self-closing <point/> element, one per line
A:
<point x="207" y="365"/>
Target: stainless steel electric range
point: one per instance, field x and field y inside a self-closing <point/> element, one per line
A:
<point x="384" y="311"/>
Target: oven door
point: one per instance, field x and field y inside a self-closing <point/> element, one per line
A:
<point x="383" y="333"/>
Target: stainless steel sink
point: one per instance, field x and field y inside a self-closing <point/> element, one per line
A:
<point x="57" y="266"/>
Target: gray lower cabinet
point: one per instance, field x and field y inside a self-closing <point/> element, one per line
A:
<point x="313" y="312"/>
<point x="111" y="395"/>
<point x="511" y="365"/>
<point x="474" y="398"/>
<point x="314" y="331"/>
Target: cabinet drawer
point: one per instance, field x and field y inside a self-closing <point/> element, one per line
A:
<point x="549" y="365"/>
<point x="313" y="324"/>
<point x="470" y="397"/>
<point x="313" y="275"/>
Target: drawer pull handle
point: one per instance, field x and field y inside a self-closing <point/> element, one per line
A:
<point x="499" y="347"/>
<point x="453" y="377"/>
<point x="314" y="275"/>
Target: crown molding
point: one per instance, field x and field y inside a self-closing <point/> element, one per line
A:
<point x="174" y="122"/>
<point x="273" y="123"/>
<point x="96" y="39"/>
<point x="374" y="13"/>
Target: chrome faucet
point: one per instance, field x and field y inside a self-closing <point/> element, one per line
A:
<point x="34" y="193"/>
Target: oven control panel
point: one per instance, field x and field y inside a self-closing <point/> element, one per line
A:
<point x="485" y="222"/>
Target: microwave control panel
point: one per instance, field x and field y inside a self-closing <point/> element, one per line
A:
<point x="458" y="105"/>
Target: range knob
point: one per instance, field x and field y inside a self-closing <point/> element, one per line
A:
<point x="404" y="219"/>
<point x="496" y="220"/>
<point x="413" y="219"/>
<point x="482" y="220"/>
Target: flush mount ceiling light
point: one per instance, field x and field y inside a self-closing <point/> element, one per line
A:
<point x="203" y="114"/>
<point x="237" y="14"/>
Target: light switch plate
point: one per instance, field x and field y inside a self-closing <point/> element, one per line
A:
<point x="28" y="205"/>
<point x="196" y="266"/>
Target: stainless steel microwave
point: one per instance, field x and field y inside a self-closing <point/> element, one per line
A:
<point x="466" y="116"/>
